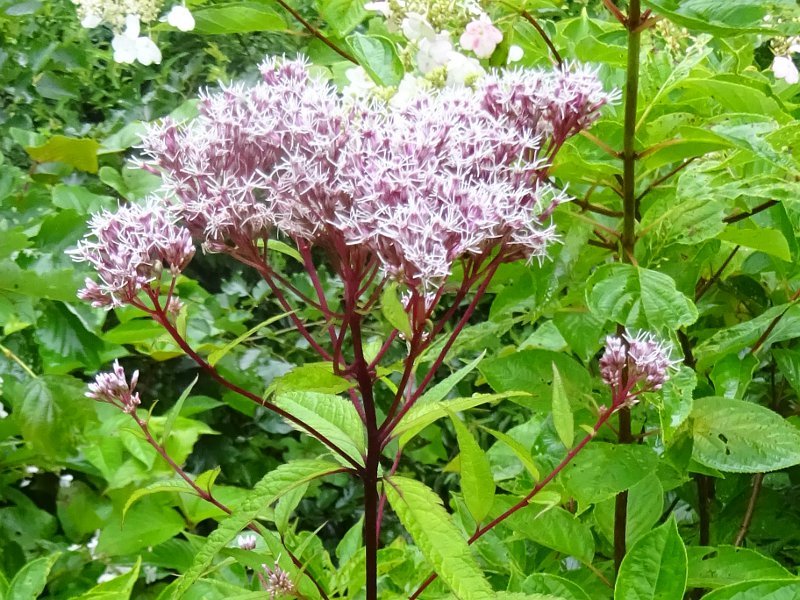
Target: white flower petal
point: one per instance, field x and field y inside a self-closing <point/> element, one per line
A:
<point x="147" y="52"/>
<point x="180" y="18"/>
<point x="515" y="53"/>
<point x="784" y="68"/>
<point x="90" y="21"/>
<point x="132" y="26"/>
<point x="124" y="49"/>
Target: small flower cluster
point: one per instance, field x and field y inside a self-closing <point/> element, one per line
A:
<point x="113" y="388"/>
<point x="420" y="181"/>
<point x="125" y="17"/>
<point x="783" y="66"/>
<point x="630" y="362"/>
<point x="129" y="250"/>
<point x="278" y="583"/>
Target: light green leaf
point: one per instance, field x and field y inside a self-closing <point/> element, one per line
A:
<point x="214" y="357"/>
<point x="30" y="580"/>
<point x="521" y="452"/>
<point x="175" y="412"/>
<point x="379" y="58"/>
<point x="394" y="311"/>
<point x="676" y="400"/>
<point x="545" y="583"/>
<point x="441" y="389"/>
<point x="562" y="412"/>
<point x="477" y="482"/>
<point x="237" y="17"/>
<point x="271" y="487"/>
<point x="731" y="375"/>
<point x="333" y="416"/>
<point x="769" y="241"/>
<point x="655" y="567"/>
<point x="788" y="362"/>
<point x="119" y="588"/>
<point x="80" y="153"/>
<point x="726" y="565"/>
<point x="776" y="589"/>
<point x="343" y="15"/>
<point x="173" y="486"/>
<point x="312" y="377"/>
<point x="645" y="506"/>
<point x="421" y="512"/>
<point x="638" y="298"/>
<point x="742" y="437"/>
<point x="720" y="17"/>
<point x="420" y="416"/>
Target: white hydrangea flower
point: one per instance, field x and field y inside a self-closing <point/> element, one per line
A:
<point x="461" y="69"/>
<point x="383" y="8"/>
<point x="130" y="47"/>
<point x="416" y="28"/>
<point x="91" y="20"/>
<point x="180" y="18"/>
<point x="409" y="88"/>
<point x="784" y="68"/>
<point x="434" y="52"/>
<point x="481" y="36"/>
<point x="65" y="480"/>
<point x="515" y="54"/>
<point x="3" y="411"/>
<point x="361" y="84"/>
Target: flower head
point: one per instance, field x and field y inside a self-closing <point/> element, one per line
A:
<point x="784" y="68"/>
<point x="113" y="387"/>
<point x="278" y="582"/>
<point x="481" y="36"/>
<point x="639" y="361"/>
<point x="129" y="249"/>
<point x="180" y="18"/>
<point x="246" y="541"/>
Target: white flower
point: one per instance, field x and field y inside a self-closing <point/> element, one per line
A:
<point x="74" y="547"/>
<point x="150" y="574"/>
<point x="91" y="20"/>
<point x="112" y="572"/>
<point x="31" y="470"/>
<point x="784" y="68"/>
<point x="129" y="46"/>
<point x="462" y="69"/>
<point x="3" y="412"/>
<point x="147" y="52"/>
<point x="360" y="86"/>
<point x="91" y="545"/>
<point x="481" y="37"/>
<point x="132" y="26"/>
<point x="434" y="52"/>
<point x="23" y="483"/>
<point x="383" y="8"/>
<point x="515" y="53"/>
<point x="65" y="480"/>
<point x="180" y="18"/>
<point x="246" y="541"/>
<point x="416" y="27"/>
<point x="409" y="87"/>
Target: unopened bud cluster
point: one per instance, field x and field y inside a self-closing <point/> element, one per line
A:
<point x="113" y="388"/>
<point x="278" y="582"/>
<point x="640" y="362"/>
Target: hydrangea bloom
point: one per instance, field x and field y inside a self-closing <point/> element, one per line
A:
<point x="419" y="182"/>
<point x="128" y="250"/>
<point x="640" y="360"/>
<point x="481" y="36"/>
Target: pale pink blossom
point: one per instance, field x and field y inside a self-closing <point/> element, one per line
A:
<point x="481" y="36"/>
<point x="638" y="362"/>
<point x="113" y="387"/>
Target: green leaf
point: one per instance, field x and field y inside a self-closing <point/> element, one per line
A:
<point x="441" y="389"/>
<point x="421" y="512"/>
<point x="333" y="416"/>
<point x="214" y="357"/>
<point x="394" y="311"/>
<point x="726" y="565"/>
<point x="312" y="377"/>
<point x="521" y="452"/>
<point x="676" y="401"/>
<point x="779" y="589"/>
<point x="742" y="437"/>
<point x="638" y="298"/>
<point x="79" y="199"/>
<point x="602" y="470"/>
<point x="645" y="506"/>
<point x="274" y="485"/>
<point x="655" y="567"/>
<point x="119" y="588"/>
<point x="379" y="58"/>
<point x="732" y="375"/>
<point x="545" y="583"/>
<point x="550" y="526"/>
<point x="172" y="486"/>
<point x="769" y="241"/>
<point x="719" y="17"/>
<point x="420" y="416"/>
<point x="147" y="523"/>
<point x="788" y="362"/>
<point x="477" y="482"/>
<point x="343" y="15"/>
<point x="562" y="412"/>
<point x="175" y="412"/>
<point x="531" y="371"/>
<point x="237" y="17"/>
<point x="80" y="153"/>
<point x="30" y="580"/>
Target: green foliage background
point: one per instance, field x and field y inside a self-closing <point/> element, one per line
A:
<point x="715" y="270"/>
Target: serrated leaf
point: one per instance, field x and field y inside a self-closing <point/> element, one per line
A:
<point x="379" y="58"/>
<point x="80" y="153"/>
<point x="333" y="416"/>
<point x="441" y="389"/>
<point x="655" y="567"/>
<point x="421" y="512"/>
<point x="638" y="298"/>
<point x="742" y="437"/>
<point x="477" y="482"/>
<point x="312" y="377"/>
<point x="343" y="15"/>
<point x="776" y="589"/>
<point x="545" y="583"/>
<point x="172" y="486"/>
<point x="175" y="411"/>
<point x="727" y="565"/>
<point x="562" y="411"/>
<point x="394" y="311"/>
<point x="271" y="487"/>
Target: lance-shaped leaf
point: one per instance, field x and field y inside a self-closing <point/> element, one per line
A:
<point x="477" y="482"/>
<point x="421" y="512"/>
<point x="562" y="412"/>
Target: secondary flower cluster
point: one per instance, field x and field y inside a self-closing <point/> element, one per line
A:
<point x="113" y="388"/>
<point x="129" y="249"/>
<point x="420" y="182"/>
<point x="631" y="361"/>
<point x="125" y="17"/>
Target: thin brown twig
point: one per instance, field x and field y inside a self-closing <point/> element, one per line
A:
<point x="599" y="143"/>
<point x="747" y="520"/>
<point x="530" y="19"/>
<point x="763" y="337"/>
<point x="664" y="178"/>
<point x="745" y="215"/>
<point x="618" y="14"/>
<point x="317" y="33"/>
<point x="715" y="277"/>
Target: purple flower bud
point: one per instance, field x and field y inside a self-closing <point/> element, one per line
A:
<point x="640" y="361"/>
<point x="278" y="582"/>
<point x="113" y="387"/>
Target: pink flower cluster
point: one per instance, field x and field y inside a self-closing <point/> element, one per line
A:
<point x="630" y="361"/>
<point x="129" y="249"/>
<point x="113" y="388"/>
<point x="419" y="183"/>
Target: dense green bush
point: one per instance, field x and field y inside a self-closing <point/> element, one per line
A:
<point x="683" y="224"/>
